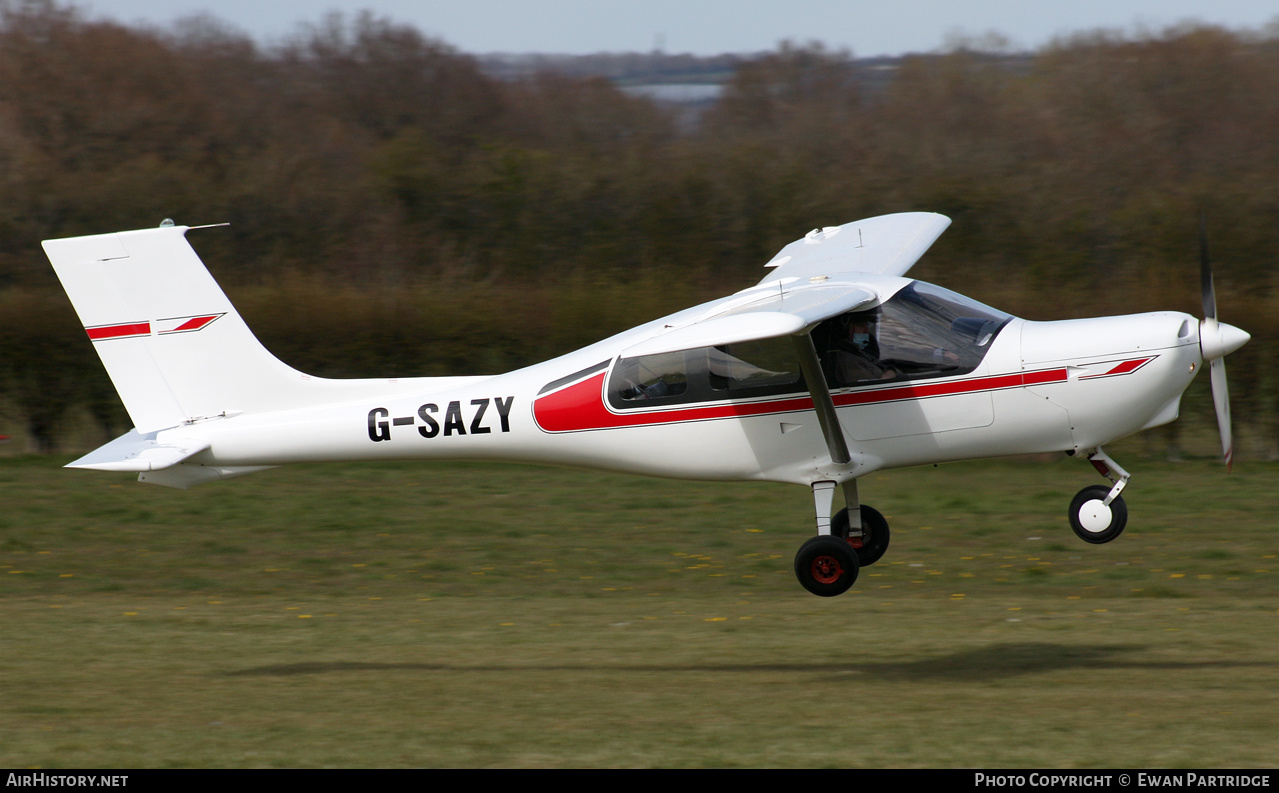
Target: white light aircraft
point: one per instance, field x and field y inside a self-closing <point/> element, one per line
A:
<point x="832" y="367"/>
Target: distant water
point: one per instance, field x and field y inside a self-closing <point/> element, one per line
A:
<point x="678" y="92"/>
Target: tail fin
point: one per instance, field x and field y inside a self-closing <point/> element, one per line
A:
<point x="174" y="346"/>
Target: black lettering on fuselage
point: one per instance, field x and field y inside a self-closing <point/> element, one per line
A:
<point x="483" y="405"/>
<point x="432" y="427"/>
<point x="453" y="419"/>
<point x="379" y="430"/>
<point x="504" y="411"/>
<point x="453" y="422"/>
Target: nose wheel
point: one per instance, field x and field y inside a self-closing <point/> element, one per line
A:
<point x="1095" y="521"/>
<point x="1098" y="513"/>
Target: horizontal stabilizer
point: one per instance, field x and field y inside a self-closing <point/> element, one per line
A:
<point x="134" y="452"/>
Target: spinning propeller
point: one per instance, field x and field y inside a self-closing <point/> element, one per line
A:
<point x="1216" y="340"/>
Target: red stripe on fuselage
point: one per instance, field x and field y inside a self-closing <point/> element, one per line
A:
<point x="1123" y="367"/>
<point x="119" y="331"/>
<point x="581" y="406"/>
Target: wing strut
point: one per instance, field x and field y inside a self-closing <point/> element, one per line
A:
<point x="811" y="368"/>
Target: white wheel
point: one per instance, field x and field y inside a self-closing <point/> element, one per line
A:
<point x="1095" y="517"/>
<point x="1093" y="521"/>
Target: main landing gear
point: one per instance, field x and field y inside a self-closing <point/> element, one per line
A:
<point x="827" y="565"/>
<point x="1098" y="513"/>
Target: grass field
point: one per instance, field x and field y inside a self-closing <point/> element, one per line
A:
<point x="485" y="615"/>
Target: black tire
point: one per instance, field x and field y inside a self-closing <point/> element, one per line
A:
<point x="826" y="565"/>
<point x="1097" y="535"/>
<point x="874" y="540"/>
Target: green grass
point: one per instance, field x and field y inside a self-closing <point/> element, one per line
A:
<point x="486" y="615"/>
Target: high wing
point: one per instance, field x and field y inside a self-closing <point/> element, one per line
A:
<point x="829" y="272"/>
<point x="772" y="311"/>
<point x="816" y="278"/>
<point x="884" y="245"/>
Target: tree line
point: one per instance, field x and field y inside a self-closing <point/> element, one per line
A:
<point x="396" y="210"/>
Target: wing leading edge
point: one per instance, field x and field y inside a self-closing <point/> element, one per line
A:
<point x="776" y="312"/>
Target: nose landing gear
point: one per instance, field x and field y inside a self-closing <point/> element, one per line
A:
<point x="1098" y="513"/>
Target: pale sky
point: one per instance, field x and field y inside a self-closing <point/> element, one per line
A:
<point x="708" y="27"/>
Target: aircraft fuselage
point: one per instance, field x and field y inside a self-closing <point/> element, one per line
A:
<point x="1041" y="387"/>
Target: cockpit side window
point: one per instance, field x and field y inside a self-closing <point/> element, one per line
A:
<point x="922" y="331"/>
<point x="754" y="368"/>
<point x="707" y="374"/>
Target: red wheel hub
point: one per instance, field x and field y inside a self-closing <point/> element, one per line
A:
<point x="826" y="569"/>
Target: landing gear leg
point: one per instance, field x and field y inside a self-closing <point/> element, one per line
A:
<point x="869" y="537"/>
<point x="823" y="498"/>
<point x="826" y="565"/>
<point x="1097" y="513"/>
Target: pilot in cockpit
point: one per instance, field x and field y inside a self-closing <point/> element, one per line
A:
<point x="855" y="357"/>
